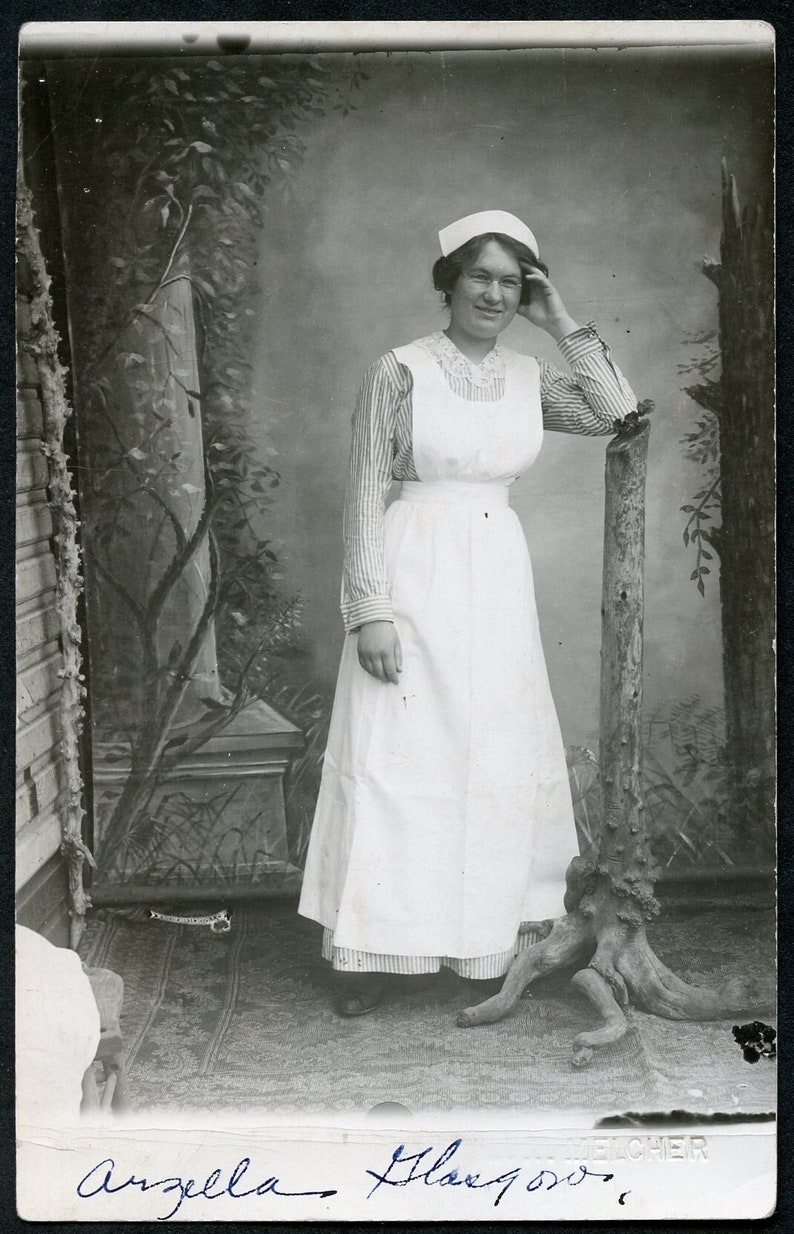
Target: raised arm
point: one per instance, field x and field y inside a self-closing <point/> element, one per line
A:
<point x="594" y="397"/>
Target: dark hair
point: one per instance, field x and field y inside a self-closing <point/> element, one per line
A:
<point x="447" y="270"/>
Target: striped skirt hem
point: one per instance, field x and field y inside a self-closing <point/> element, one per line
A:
<point x="478" y="968"/>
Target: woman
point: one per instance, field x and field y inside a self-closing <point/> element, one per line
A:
<point x="444" y="819"/>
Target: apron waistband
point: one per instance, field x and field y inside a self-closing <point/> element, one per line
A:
<point x="495" y="493"/>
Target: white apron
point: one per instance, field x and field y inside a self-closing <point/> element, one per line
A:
<point x="444" y="818"/>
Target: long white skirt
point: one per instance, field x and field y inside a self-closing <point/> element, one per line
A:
<point x="444" y="819"/>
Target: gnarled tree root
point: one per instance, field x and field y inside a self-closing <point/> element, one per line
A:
<point x="656" y="989"/>
<point x="622" y="969"/>
<point x="595" y="988"/>
<point x="568" y="942"/>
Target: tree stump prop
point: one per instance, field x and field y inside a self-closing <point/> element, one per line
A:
<point x="610" y="894"/>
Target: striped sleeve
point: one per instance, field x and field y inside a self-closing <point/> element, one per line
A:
<point x="365" y="586"/>
<point x="594" y="397"/>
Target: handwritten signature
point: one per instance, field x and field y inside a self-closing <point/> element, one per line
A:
<point x="101" y="1178"/>
<point x="436" y="1174"/>
<point x="427" y="1166"/>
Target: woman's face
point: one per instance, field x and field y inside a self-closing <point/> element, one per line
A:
<point x="487" y="294"/>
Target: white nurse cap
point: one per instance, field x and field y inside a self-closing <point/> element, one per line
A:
<point x="457" y="233"/>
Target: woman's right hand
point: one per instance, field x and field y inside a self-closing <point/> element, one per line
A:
<point x="379" y="650"/>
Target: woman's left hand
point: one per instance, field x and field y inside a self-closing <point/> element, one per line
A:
<point x="545" y="309"/>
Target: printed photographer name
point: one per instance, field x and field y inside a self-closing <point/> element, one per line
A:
<point x="638" y="1148"/>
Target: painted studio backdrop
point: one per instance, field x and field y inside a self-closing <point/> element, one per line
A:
<point x="243" y="237"/>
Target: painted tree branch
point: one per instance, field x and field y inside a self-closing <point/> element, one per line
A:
<point x="143" y="484"/>
<point x="178" y="563"/>
<point x="136" y="610"/>
<point x="41" y="342"/>
<point x="224" y="714"/>
<point x="146" y="305"/>
<point x="146" y="754"/>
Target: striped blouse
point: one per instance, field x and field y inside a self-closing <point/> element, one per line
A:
<point x="592" y="399"/>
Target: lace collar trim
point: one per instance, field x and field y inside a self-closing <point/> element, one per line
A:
<point x="456" y="365"/>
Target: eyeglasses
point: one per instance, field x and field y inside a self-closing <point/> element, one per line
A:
<point x="481" y="282"/>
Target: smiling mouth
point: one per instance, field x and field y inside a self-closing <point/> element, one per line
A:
<point x="489" y="312"/>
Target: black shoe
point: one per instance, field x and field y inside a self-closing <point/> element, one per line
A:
<point x="361" y="995"/>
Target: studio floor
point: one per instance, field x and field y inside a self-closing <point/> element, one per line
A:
<point x="243" y="1022"/>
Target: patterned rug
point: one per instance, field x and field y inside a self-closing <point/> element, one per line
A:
<point x="242" y="1022"/>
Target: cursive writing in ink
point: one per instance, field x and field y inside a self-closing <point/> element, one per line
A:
<point x="405" y="1168"/>
<point x="100" y="1178"/>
